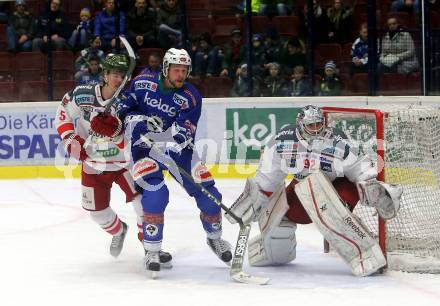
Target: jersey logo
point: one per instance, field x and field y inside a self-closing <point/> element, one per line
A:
<point x="167" y="109"/>
<point x="287" y="147"/>
<point x="145" y="84"/>
<point x="144" y="167"/>
<point x="201" y="174"/>
<point x="84" y="100"/>
<point x="179" y="100"/>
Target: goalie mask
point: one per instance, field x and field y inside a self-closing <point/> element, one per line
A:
<point x="176" y="56"/>
<point x="311" y="122"/>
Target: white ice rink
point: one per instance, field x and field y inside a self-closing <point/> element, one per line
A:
<point x="52" y="254"/>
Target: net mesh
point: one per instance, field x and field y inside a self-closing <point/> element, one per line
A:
<point x="412" y="158"/>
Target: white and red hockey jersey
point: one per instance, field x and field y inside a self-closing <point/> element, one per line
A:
<point x="74" y="114"/>
<point x="289" y="153"/>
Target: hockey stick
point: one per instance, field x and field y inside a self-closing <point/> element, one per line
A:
<point x="113" y="99"/>
<point x="236" y="270"/>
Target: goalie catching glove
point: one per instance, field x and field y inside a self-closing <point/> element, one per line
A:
<point x="250" y="203"/>
<point x="384" y="197"/>
<point x="107" y="125"/>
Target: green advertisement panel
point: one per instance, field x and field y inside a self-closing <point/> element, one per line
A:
<point x="250" y="128"/>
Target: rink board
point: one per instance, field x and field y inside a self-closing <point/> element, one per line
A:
<point x="231" y="132"/>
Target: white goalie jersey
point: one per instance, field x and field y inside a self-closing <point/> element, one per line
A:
<point x="74" y="114"/>
<point x="289" y="153"/>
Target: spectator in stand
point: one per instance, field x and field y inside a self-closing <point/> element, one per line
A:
<point x="274" y="85"/>
<point x="141" y="25"/>
<point x="359" y="51"/>
<point x="322" y="24"/>
<point x="330" y="84"/>
<point x="83" y="32"/>
<point x="20" y="28"/>
<point x="81" y="63"/>
<point x="259" y="59"/>
<point x="300" y="86"/>
<point x="205" y="62"/>
<point x="272" y="8"/>
<point x="341" y="22"/>
<point x="272" y="45"/>
<point x="232" y="54"/>
<point x="398" y="53"/>
<point x="408" y="6"/>
<point x="52" y="26"/>
<point x="154" y="64"/>
<point x="105" y="25"/>
<point x="241" y="84"/>
<point x="93" y="75"/>
<point x="170" y="22"/>
<point x="3" y="12"/>
<point x="292" y="54"/>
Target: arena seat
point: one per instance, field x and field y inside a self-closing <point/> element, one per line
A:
<point x="60" y="87"/>
<point x="30" y="66"/>
<point x="7" y="66"/>
<point x="8" y="92"/>
<point x="218" y="87"/>
<point x="286" y="25"/>
<point x="32" y="91"/>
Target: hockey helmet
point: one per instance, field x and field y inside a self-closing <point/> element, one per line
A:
<point x="310" y="115"/>
<point x="176" y="56"/>
<point x="117" y="62"/>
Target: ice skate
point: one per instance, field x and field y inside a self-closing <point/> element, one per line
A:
<point x="152" y="263"/>
<point x="164" y="259"/>
<point x="118" y="241"/>
<point x="221" y="248"/>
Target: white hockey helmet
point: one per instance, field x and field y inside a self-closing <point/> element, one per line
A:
<point x="176" y="56"/>
<point x="310" y="115"/>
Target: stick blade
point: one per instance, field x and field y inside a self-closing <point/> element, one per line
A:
<point x="245" y="278"/>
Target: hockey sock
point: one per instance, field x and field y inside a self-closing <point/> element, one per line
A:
<point x="108" y="221"/>
<point x="153" y="231"/>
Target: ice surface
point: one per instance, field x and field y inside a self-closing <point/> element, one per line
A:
<point x="51" y="253"/>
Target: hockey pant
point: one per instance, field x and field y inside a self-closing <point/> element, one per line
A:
<point x="347" y="192"/>
<point x="96" y="197"/>
<point x="148" y="176"/>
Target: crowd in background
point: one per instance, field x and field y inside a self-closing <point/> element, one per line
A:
<point x="280" y="62"/>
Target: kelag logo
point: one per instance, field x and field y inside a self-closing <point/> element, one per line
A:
<point x="252" y="128"/>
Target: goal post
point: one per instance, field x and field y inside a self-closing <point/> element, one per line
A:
<point x="404" y="142"/>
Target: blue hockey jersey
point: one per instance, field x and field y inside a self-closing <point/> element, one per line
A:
<point x="178" y="109"/>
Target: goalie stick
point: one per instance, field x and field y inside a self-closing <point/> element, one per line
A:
<point x="236" y="270"/>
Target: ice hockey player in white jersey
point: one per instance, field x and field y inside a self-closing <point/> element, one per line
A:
<point x="331" y="177"/>
<point x="104" y="161"/>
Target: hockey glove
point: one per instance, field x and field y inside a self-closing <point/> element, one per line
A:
<point x="107" y="125"/>
<point x="249" y="204"/>
<point x="74" y="145"/>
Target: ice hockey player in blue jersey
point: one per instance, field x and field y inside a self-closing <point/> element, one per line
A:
<point x="166" y="106"/>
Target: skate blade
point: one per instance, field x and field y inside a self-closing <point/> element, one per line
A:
<point x="154" y="274"/>
<point x="166" y="265"/>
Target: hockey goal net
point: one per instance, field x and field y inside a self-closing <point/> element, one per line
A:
<point x="404" y="141"/>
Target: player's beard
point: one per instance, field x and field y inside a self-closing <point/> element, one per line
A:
<point x="175" y="84"/>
